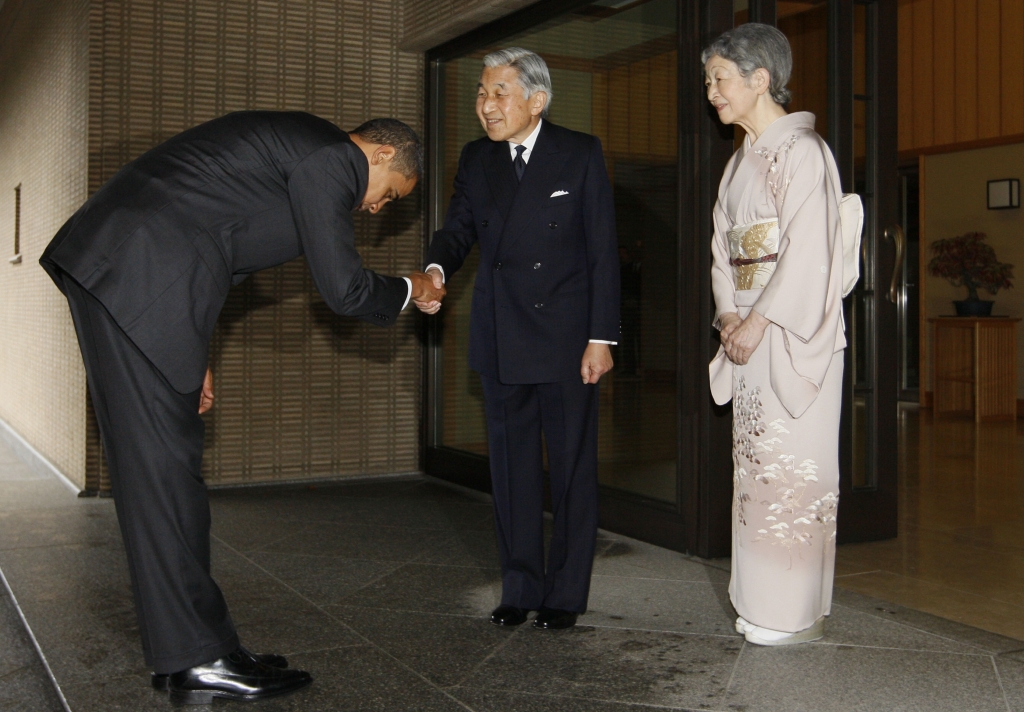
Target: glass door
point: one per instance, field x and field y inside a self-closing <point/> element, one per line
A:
<point x="628" y="71"/>
<point x="844" y="71"/>
<point x="615" y="69"/>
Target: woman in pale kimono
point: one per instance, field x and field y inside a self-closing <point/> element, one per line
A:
<point x="777" y="280"/>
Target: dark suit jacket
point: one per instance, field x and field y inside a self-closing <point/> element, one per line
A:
<point x="160" y="244"/>
<point x="549" y="268"/>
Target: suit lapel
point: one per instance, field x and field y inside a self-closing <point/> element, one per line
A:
<point x="542" y="173"/>
<point x="501" y="176"/>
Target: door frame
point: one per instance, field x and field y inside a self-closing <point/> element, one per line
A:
<point x="869" y="513"/>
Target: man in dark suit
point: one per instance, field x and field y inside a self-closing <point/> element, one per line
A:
<point x="146" y="264"/>
<point x="545" y="310"/>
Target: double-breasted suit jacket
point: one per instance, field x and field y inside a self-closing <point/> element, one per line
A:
<point x="548" y="283"/>
<point x="548" y="280"/>
<point x="161" y="243"/>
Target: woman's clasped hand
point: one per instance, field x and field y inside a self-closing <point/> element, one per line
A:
<point x="740" y="337"/>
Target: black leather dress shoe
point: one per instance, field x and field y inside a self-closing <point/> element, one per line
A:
<point x="159" y="682"/>
<point x="508" y="615"/>
<point x="554" y="619"/>
<point x="236" y="676"/>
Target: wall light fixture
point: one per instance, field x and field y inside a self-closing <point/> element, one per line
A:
<point x="1003" y="194"/>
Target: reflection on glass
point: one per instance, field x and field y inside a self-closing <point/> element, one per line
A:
<point x="613" y="72"/>
<point x="909" y="306"/>
<point x="806" y="28"/>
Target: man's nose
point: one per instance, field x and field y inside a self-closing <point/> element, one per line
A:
<point x="489" y="105"/>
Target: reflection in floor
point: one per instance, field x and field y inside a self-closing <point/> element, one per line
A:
<point x="960" y="550"/>
<point x="381" y="589"/>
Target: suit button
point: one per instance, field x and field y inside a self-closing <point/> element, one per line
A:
<point x="497" y="265"/>
<point x="537" y="266"/>
<point x="538" y="305"/>
<point x="483" y="224"/>
<point x="552" y="224"/>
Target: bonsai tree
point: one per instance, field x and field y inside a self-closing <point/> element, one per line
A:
<point x="968" y="261"/>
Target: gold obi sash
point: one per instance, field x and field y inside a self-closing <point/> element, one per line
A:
<point x="753" y="250"/>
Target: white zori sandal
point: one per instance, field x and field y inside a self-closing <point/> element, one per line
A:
<point x="766" y="636"/>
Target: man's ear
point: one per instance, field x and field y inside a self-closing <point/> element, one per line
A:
<point x="383" y="154"/>
<point x="537" y="102"/>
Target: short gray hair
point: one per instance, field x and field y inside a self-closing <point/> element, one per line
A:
<point x="755" y="46"/>
<point x="533" y="71"/>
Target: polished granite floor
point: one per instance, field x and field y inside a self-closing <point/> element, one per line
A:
<point x="24" y="685"/>
<point x="381" y="590"/>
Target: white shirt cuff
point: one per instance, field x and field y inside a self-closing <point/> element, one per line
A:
<point x="599" y="341"/>
<point x="438" y="267"/>
<point x="409" y="295"/>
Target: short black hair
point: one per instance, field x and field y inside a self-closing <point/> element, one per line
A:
<point x="391" y="132"/>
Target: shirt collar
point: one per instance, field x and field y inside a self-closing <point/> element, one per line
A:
<point x="529" y="141"/>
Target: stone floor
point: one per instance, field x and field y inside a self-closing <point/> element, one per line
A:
<point x="381" y="590"/>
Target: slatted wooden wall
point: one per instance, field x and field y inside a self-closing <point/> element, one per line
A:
<point x="300" y="393"/>
<point x="961" y="71"/>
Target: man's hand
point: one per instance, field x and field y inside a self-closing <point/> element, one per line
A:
<point x="430" y="305"/>
<point x="206" y="399"/>
<point x="597" y="361"/>
<point x="743" y="339"/>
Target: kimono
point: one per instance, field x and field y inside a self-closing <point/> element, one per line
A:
<point x="778" y="250"/>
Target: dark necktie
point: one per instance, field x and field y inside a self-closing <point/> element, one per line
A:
<point x="519" y="163"/>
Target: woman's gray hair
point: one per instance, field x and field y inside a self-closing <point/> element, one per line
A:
<point x="533" y="71"/>
<point x="755" y="46"/>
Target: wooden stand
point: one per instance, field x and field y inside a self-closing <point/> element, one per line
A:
<point x="975" y="367"/>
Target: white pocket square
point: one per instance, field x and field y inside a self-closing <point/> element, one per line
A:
<point x="559" y="192"/>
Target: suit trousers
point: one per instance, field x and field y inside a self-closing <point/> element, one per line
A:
<point x="153" y="441"/>
<point x="566" y="413"/>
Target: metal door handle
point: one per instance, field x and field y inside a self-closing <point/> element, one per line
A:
<point x="896" y="234"/>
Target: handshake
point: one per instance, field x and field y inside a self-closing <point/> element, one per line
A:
<point x="427" y="290"/>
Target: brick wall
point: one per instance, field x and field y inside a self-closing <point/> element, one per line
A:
<point x="43" y="147"/>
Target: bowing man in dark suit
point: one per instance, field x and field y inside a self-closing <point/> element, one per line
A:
<point x="537" y="199"/>
<point x="146" y="264"/>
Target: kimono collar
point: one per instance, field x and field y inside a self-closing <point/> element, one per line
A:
<point x="778" y="130"/>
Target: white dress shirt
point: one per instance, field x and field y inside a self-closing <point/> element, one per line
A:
<point x="529" y="142"/>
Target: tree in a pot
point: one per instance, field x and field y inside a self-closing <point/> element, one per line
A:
<point x="968" y="261"/>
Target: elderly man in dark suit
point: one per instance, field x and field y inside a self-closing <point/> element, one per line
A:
<point x="146" y="264"/>
<point x="537" y="199"/>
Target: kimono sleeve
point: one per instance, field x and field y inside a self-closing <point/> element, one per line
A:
<point x="723" y="282"/>
<point x="798" y="294"/>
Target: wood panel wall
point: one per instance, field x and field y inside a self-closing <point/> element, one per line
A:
<point x="961" y="72"/>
